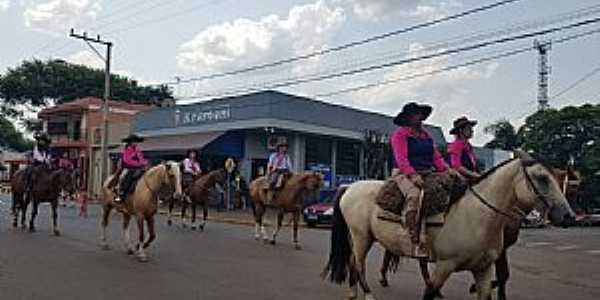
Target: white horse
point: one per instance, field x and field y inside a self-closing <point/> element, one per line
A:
<point x="470" y="239"/>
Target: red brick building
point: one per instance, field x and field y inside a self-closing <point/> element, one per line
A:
<point x="76" y="128"/>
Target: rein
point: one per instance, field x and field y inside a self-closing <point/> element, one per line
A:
<point x="520" y="213"/>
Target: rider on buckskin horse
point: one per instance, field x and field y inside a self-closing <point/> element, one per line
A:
<point x="279" y="168"/>
<point x="462" y="156"/>
<point x="133" y="165"/>
<point x="416" y="159"/>
<point x="41" y="159"/>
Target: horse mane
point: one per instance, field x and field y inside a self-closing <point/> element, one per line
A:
<point x="491" y="171"/>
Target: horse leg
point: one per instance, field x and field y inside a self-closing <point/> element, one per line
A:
<point x="204" y="214"/>
<point x="34" y="212"/>
<point x="127" y="234"/>
<point x="442" y="272"/>
<point x="502" y="274"/>
<point x="483" y="281"/>
<point x="184" y="205"/>
<point x="387" y="259"/>
<point x="296" y="220"/>
<point x="425" y="275"/>
<point x="193" y="215"/>
<point x="361" y="249"/>
<point x="106" y="209"/>
<point x="141" y="254"/>
<point x="259" y="227"/>
<point x="23" y="209"/>
<point x="352" y="278"/>
<point x="171" y="205"/>
<point x="151" y="231"/>
<point x="55" y="229"/>
<point x="278" y="227"/>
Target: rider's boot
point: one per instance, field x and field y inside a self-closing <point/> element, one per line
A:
<point x="413" y="224"/>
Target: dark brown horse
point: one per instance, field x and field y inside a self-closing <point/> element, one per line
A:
<point x="46" y="188"/>
<point x="289" y="200"/>
<point x="198" y="194"/>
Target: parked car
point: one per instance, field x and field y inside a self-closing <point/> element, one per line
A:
<point x="318" y="214"/>
<point x="585" y="219"/>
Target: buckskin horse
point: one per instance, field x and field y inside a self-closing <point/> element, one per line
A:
<point x="47" y="188"/>
<point x="516" y="185"/>
<point x="568" y="181"/>
<point x="142" y="203"/>
<point x="198" y="194"/>
<point x="289" y="200"/>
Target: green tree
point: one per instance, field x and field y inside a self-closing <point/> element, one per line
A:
<point x="505" y="136"/>
<point x="38" y="82"/>
<point x="11" y="138"/>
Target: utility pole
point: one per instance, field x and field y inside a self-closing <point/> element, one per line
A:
<point x="106" y="59"/>
<point x="544" y="71"/>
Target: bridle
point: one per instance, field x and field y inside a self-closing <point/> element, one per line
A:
<point x="519" y="212"/>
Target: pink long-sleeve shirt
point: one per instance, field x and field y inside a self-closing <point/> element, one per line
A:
<point x="133" y="157"/>
<point x="462" y="155"/>
<point x="415" y="151"/>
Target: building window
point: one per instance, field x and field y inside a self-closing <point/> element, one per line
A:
<point x="77" y="130"/>
<point x="318" y="151"/>
<point x="97" y="135"/>
<point x="347" y="158"/>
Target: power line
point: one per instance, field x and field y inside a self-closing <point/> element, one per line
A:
<point x="577" y="82"/>
<point x="481" y="35"/>
<point x="351" y="44"/>
<point x="420" y="58"/>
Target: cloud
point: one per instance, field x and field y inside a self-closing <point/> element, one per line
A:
<point x="447" y="92"/>
<point x="244" y="42"/>
<point x="58" y="16"/>
<point x="90" y="59"/>
<point x="4" y="5"/>
<point x="375" y="10"/>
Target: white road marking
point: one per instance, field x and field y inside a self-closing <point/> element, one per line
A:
<point x="566" y="248"/>
<point x="537" y="244"/>
<point x="593" y="252"/>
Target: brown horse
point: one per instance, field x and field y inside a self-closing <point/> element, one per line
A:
<point x="289" y="200"/>
<point x="47" y="188"/>
<point x="568" y="182"/>
<point x="198" y="194"/>
<point x="142" y="203"/>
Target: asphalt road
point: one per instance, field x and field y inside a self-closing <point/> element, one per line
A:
<point x="225" y="262"/>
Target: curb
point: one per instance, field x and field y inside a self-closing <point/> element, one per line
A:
<point x="234" y="221"/>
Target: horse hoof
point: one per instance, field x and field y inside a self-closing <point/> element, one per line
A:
<point x="297" y="247"/>
<point x="369" y="297"/>
<point x="130" y="252"/>
<point x="31" y="229"/>
<point x="105" y="247"/>
<point x="15" y="225"/>
<point x="201" y="227"/>
<point x="142" y="258"/>
<point x="169" y="222"/>
<point x="194" y="228"/>
<point x="384" y="282"/>
<point x="273" y="242"/>
<point x="472" y="289"/>
<point x="56" y="232"/>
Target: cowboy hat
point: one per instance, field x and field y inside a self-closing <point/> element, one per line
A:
<point x="132" y="138"/>
<point x="410" y="109"/>
<point x="282" y="143"/>
<point x="461" y="123"/>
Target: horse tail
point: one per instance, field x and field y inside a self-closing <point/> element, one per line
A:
<point x="340" y="250"/>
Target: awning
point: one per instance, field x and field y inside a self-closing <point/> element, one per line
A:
<point x="179" y="142"/>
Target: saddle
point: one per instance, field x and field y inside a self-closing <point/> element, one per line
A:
<point x="440" y="191"/>
<point x="130" y="180"/>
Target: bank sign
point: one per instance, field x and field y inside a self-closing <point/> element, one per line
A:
<point x="202" y="115"/>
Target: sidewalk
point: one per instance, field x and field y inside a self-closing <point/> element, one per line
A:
<point x="238" y="216"/>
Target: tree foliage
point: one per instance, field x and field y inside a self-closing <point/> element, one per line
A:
<point x="11" y="138"/>
<point x="505" y="136"/>
<point x="37" y="83"/>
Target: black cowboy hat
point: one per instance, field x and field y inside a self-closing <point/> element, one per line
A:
<point x="410" y="109"/>
<point x="132" y="138"/>
<point x="461" y="123"/>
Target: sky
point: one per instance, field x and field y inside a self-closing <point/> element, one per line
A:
<point x="159" y="41"/>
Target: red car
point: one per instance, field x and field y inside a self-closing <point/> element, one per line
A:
<point x="318" y="214"/>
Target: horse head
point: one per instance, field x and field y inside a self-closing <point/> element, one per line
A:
<point x="173" y="177"/>
<point x="540" y="188"/>
<point x="313" y="181"/>
<point x="64" y="180"/>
